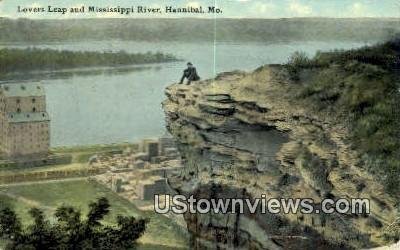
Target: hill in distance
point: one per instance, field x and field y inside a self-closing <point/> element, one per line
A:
<point x="198" y="30"/>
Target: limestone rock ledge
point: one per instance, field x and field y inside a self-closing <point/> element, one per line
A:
<point x="246" y="134"/>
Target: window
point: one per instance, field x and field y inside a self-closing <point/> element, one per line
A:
<point x="33" y="100"/>
<point x="18" y="100"/>
<point x="18" y="110"/>
<point x="34" y="109"/>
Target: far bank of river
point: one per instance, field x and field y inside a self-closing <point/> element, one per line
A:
<point x="29" y="59"/>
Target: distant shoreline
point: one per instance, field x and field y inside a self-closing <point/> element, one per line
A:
<point x="40" y="75"/>
<point x="16" y="60"/>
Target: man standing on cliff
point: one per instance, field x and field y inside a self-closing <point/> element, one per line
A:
<point x="190" y="73"/>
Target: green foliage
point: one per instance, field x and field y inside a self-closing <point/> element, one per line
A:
<point x="97" y="211"/>
<point x="48" y="59"/>
<point x="321" y="91"/>
<point x="70" y="231"/>
<point x="9" y="223"/>
<point x="385" y="55"/>
<point x="296" y="62"/>
<point x="361" y="87"/>
<point x="299" y="59"/>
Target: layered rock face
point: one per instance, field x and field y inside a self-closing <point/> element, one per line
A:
<point x="244" y="135"/>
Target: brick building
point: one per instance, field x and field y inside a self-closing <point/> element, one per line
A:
<point x="24" y="122"/>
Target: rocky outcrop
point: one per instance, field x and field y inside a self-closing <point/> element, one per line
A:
<point x="247" y="135"/>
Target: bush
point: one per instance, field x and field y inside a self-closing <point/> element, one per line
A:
<point x="70" y="231"/>
<point x="296" y="62"/>
<point x="361" y="88"/>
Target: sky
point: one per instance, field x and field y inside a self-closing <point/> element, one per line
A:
<point x="230" y="8"/>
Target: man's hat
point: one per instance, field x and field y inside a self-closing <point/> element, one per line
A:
<point x="189" y="63"/>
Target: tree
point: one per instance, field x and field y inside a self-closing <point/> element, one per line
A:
<point x="70" y="231"/>
<point x="9" y="223"/>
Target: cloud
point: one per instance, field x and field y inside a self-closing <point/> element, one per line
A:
<point x="358" y="9"/>
<point x="193" y="4"/>
<point x="2" y="13"/>
<point x="263" y="8"/>
<point x="297" y="8"/>
<point x="35" y="5"/>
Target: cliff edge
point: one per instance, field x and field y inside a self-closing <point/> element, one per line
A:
<point x="247" y="134"/>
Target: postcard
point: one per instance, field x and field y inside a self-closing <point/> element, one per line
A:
<point x="199" y="124"/>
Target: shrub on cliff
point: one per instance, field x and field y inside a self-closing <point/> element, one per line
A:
<point x="296" y="62"/>
<point x="70" y="231"/>
<point x="361" y="88"/>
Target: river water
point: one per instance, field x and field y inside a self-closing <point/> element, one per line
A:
<point x="113" y="105"/>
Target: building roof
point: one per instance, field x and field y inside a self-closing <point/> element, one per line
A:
<point x="15" y="117"/>
<point x="22" y="89"/>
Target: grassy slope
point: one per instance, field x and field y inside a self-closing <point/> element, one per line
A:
<point x="361" y="88"/>
<point x="161" y="231"/>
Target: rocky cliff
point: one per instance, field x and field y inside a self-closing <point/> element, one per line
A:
<point x="246" y="134"/>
